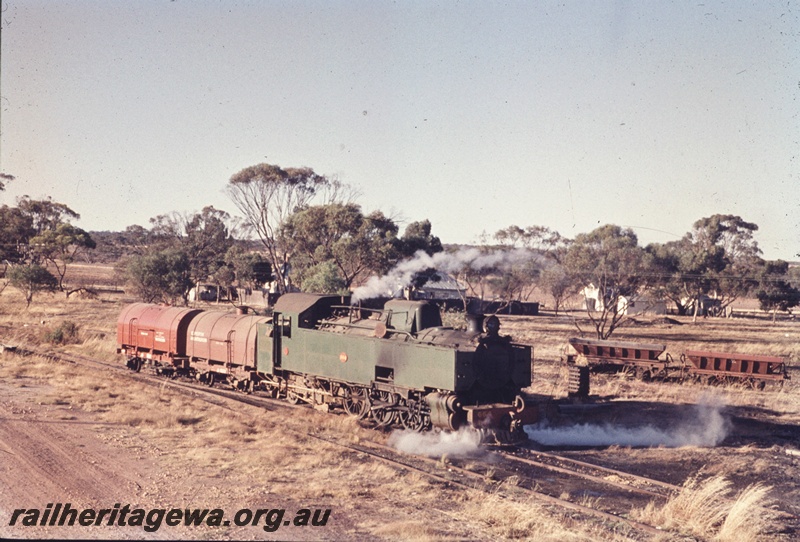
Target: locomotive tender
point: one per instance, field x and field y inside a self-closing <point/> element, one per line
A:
<point x="396" y="364"/>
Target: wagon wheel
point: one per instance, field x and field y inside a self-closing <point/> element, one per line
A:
<point x="210" y="380"/>
<point x="135" y="364"/>
<point x="355" y="402"/>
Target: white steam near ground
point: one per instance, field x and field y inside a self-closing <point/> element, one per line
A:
<point x="706" y="428"/>
<point x="463" y="442"/>
<point x="446" y="262"/>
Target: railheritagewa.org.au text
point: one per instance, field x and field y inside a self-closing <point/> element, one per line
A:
<point x="151" y="520"/>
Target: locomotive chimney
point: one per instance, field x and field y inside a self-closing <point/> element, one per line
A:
<point x="475" y="323"/>
<point x="242" y="310"/>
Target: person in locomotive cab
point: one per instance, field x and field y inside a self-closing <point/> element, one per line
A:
<point x="492" y="325"/>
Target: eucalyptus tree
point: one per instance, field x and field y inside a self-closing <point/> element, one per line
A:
<point x="719" y="257"/>
<point x="610" y="259"/>
<point x="39" y="234"/>
<point x="740" y="252"/>
<point x="775" y="291"/>
<point x="338" y="240"/>
<point x="417" y="236"/>
<point x="59" y="247"/>
<point x="267" y="195"/>
<point x="543" y="269"/>
<point x="195" y="243"/>
<point x="31" y="279"/>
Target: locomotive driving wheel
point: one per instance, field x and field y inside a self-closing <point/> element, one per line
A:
<point x="355" y="402"/>
<point x="383" y="416"/>
<point x="412" y="417"/>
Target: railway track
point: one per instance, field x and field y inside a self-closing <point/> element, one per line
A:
<point x="596" y="493"/>
<point x="494" y="478"/>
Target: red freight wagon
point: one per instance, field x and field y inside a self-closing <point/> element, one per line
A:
<point x="155" y="332"/>
<point x="226" y="341"/>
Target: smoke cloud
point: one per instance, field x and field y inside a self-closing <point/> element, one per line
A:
<point x="446" y="262"/>
<point x="707" y="428"/>
<point x="463" y="442"/>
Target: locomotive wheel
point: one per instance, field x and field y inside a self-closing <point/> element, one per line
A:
<point x="388" y="397"/>
<point x="355" y="402"/>
<point x="406" y="419"/>
<point x="384" y="417"/>
<point x="414" y="421"/>
<point x="412" y="417"/>
<point x="293" y="397"/>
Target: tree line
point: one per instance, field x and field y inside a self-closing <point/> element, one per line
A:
<point x="37" y="243"/>
<point x="298" y="229"/>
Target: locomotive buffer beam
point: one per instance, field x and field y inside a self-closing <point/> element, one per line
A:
<point x="501" y="415"/>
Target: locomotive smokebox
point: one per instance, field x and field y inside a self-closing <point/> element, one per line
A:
<point x="475" y="323"/>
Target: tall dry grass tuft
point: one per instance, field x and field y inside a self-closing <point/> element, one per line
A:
<point x="741" y="523"/>
<point x="707" y="510"/>
<point x="99" y="347"/>
<point x="698" y="509"/>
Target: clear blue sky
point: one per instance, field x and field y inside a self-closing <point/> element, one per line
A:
<point x="475" y="115"/>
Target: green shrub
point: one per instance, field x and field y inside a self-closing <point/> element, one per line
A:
<point x="65" y="333"/>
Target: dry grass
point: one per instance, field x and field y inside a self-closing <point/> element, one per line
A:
<point x="528" y="519"/>
<point x="413" y="531"/>
<point x="741" y="524"/>
<point x="707" y="509"/>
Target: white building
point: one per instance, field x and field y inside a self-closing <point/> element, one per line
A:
<point x="644" y="304"/>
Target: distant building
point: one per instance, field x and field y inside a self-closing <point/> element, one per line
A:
<point x="706" y="305"/>
<point x="446" y="288"/>
<point x="204" y="292"/>
<point x="644" y="304"/>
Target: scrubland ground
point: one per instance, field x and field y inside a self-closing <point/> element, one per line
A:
<point x="94" y="438"/>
